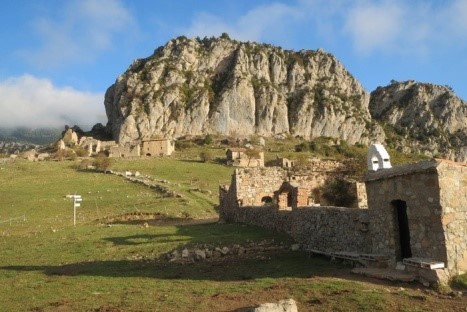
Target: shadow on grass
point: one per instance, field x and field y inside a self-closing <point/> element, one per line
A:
<point x="235" y="269"/>
<point x="273" y="263"/>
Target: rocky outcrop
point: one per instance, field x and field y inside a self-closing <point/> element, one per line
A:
<point x="422" y="117"/>
<point x="222" y="86"/>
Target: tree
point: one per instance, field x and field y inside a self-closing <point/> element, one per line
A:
<point x="225" y="36"/>
<point x="338" y="193"/>
<point x="252" y="154"/>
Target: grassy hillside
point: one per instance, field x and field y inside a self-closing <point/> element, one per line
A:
<point x="114" y="263"/>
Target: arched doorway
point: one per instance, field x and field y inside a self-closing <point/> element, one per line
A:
<point x="266" y="200"/>
<point x="401" y="229"/>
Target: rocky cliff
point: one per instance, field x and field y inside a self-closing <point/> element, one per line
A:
<point x="223" y="86"/>
<point x="422" y="117"/>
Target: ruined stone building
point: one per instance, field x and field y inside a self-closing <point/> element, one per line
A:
<point x="127" y="150"/>
<point x="157" y="147"/>
<point x="416" y="215"/>
<point x="239" y="157"/>
<point x="281" y="162"/>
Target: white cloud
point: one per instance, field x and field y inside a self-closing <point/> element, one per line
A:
<point x="253" y="25"/>
<point x="394" y="27"/>
<point x="455" y="17"/>
<point x="375" y="26"/>
<point x="411" y="28"/>
<point x="83" y="29"/>
<point x="33" y="102"/>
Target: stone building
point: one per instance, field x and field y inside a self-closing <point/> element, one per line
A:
<point x="157" y="147"/>
<point x="416" y="216"/>
<point x="419" y="211"/>
<point x="281" y="162"/>
<point x="239" y="157"/>
<point x="125" y="151"/>
<point x="291" y="196"/>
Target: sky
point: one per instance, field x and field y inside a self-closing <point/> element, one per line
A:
<point x="58" y="57"/>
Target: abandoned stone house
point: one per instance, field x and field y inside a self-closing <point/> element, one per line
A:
<point x="239" y="157"/>
<point x="157" y="147"/>
<point x="416" y="215"/>
<point x="282" y="162"/>
<point x="127" y="150"/>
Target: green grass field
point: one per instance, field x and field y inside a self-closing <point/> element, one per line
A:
<point x="47" y="264"/>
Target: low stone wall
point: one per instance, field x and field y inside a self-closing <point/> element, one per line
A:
<point x="315" y="228"/>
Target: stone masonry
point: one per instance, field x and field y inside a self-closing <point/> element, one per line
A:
<point x="416" y="212"/>
<point x="435" y="196"/>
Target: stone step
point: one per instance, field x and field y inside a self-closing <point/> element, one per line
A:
<point x="423" y="263"/>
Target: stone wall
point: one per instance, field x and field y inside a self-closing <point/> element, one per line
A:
<point x="124" y="151"/>
<point x="252" y="184"/>
<point x="453" y="199"/>
<point x="417" y="211"/>
<point x="319" y="228"/>
<point x="157" y="147"/>
<point x="238" y="157"/>
<point x="327" y="229"/>
<point x="417" y="186"/>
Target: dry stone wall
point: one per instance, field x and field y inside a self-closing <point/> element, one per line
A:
<point x="453" y="182"/>
<point x="315" y="228"/>
<point x="435" y="193"/>
<point x="418" y="188"/>
<point x="253" y="184"/>
<point x="319" y="228"/>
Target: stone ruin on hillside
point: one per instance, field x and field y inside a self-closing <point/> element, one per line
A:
<point x="239" y="157"/>
<point x="416" y="215"/>
<point x="152" y="147"/>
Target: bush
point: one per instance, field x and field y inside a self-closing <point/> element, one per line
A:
<point x="337" y="192"/>
<point x="206" y="156"/>
<point x="208" y="139"/>
<point x="301" y="162"/>
<point x="81" y="152"/>
<point x="183" y="144"/>
<point x="103" y="163"/>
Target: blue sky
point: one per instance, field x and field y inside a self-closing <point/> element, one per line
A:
<point x="57" y="57"/>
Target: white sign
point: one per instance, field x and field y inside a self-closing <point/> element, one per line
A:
<point x="76" y="203"/>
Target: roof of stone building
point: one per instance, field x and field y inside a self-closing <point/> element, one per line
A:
<point x="422" y="166"/>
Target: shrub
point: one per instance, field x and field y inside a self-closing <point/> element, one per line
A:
<point x="301" y="162"/>
<point x="81" y="152"/>
<point x="208" y="139"/>
<point x="103" y="163"/>
<point x="337" y="192"/>
<point x="206" y="156"/>
<point x="183" y="144"/>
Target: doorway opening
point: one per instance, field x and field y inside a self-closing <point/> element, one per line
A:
<point x="402" y="239"/>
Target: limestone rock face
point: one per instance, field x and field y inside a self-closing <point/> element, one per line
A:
<point x="222" y="86"/>
<point x="422" y="117"/>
